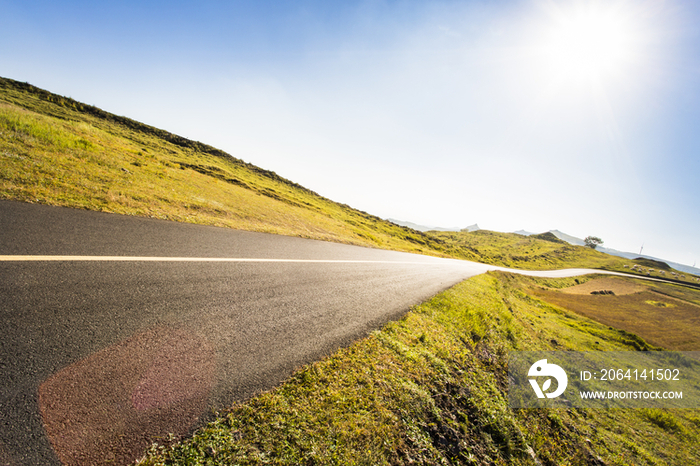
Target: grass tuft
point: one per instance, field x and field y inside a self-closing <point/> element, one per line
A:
<point x="431" y="388"/>
<point x="54" y="150"/>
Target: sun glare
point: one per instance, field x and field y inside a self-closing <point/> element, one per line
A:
<point x="590" y="42"/>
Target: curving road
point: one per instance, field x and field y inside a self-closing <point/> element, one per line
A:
<point x="118" y="330"/>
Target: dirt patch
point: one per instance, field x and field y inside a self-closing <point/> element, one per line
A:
<point x="661" y="320"/>
<point x="619" y="286"/>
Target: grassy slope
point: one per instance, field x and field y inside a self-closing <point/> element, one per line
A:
<point x="426" y="389"/>
<point x="527" y="252"/>
<point x="58" y="151"/>
<point x="55" y="150"/>
<point x="545" y="251"/>
<point x="431" y="389"/>
<point x="665" y="315"/>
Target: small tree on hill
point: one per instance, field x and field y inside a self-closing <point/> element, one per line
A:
<point x="592" y="242"/>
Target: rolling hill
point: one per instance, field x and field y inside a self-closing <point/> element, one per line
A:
<point x="55" y="150"/>
<point x="428" y="389"/>
<point x="58" y="151"/>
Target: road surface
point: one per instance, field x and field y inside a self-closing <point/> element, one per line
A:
<point x="118" y="330"/>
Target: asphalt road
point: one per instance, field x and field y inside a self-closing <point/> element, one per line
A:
<point x="106" y="349"/>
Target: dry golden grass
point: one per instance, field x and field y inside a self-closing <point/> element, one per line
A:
<point x="57" y="151"/>
<point x="432" y="388"/>
<point x="619" y="286"/>
<point x="648" y="310"/>
<point x="60" y="152"/>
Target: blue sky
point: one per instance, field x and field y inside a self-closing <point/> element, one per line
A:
<point x="581" y="116"/>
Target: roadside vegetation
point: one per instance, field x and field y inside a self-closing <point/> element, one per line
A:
<point x="665" y="315"/>
<point x="427" y="389"/>
<point x="431" y="389"/>
<point x="535" y="252"/>
<point x="545" y="251"/>
<point x="54" y="150"/>
<point x="57" y="151"/>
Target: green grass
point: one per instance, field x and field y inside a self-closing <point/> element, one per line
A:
<point x="431" y="389"/>
<point x="526" y="252"/>
<point x="428" y="389"/>
<point x="57" y="151"/>
<point x="541" y="252"/>
<point x="663" y="314"/>
<point x="54" y="150"/>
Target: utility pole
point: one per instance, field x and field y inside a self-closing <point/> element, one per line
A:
<point x="640" y="249"/>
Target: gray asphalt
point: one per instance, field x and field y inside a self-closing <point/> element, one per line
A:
<point x="106" y="356"/>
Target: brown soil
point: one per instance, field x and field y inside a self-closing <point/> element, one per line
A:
<point x="619" y="286"/>
<point x="661" y="320"/>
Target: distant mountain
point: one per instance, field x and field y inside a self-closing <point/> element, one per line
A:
<point x="418" y="227"/>
<point x="549" y="236"/>
<point x="627" y="255"/>
<point x="552" y="235"/>
<point x="570" y="239"/>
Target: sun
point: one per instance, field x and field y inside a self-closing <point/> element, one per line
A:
<point x="589" y="41"/>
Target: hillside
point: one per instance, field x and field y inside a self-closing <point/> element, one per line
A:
<point x="432" y="388"/>
<point x="627" y="255"/>
<point x="428" y="389"/>
<point x="544" y="251"/>
<point x="55" y="150"/>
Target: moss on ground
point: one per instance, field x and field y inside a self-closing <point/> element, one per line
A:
<point x="428" y="389"/>
<point x="431" y="389"/>
<point x="55" y="150"/>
